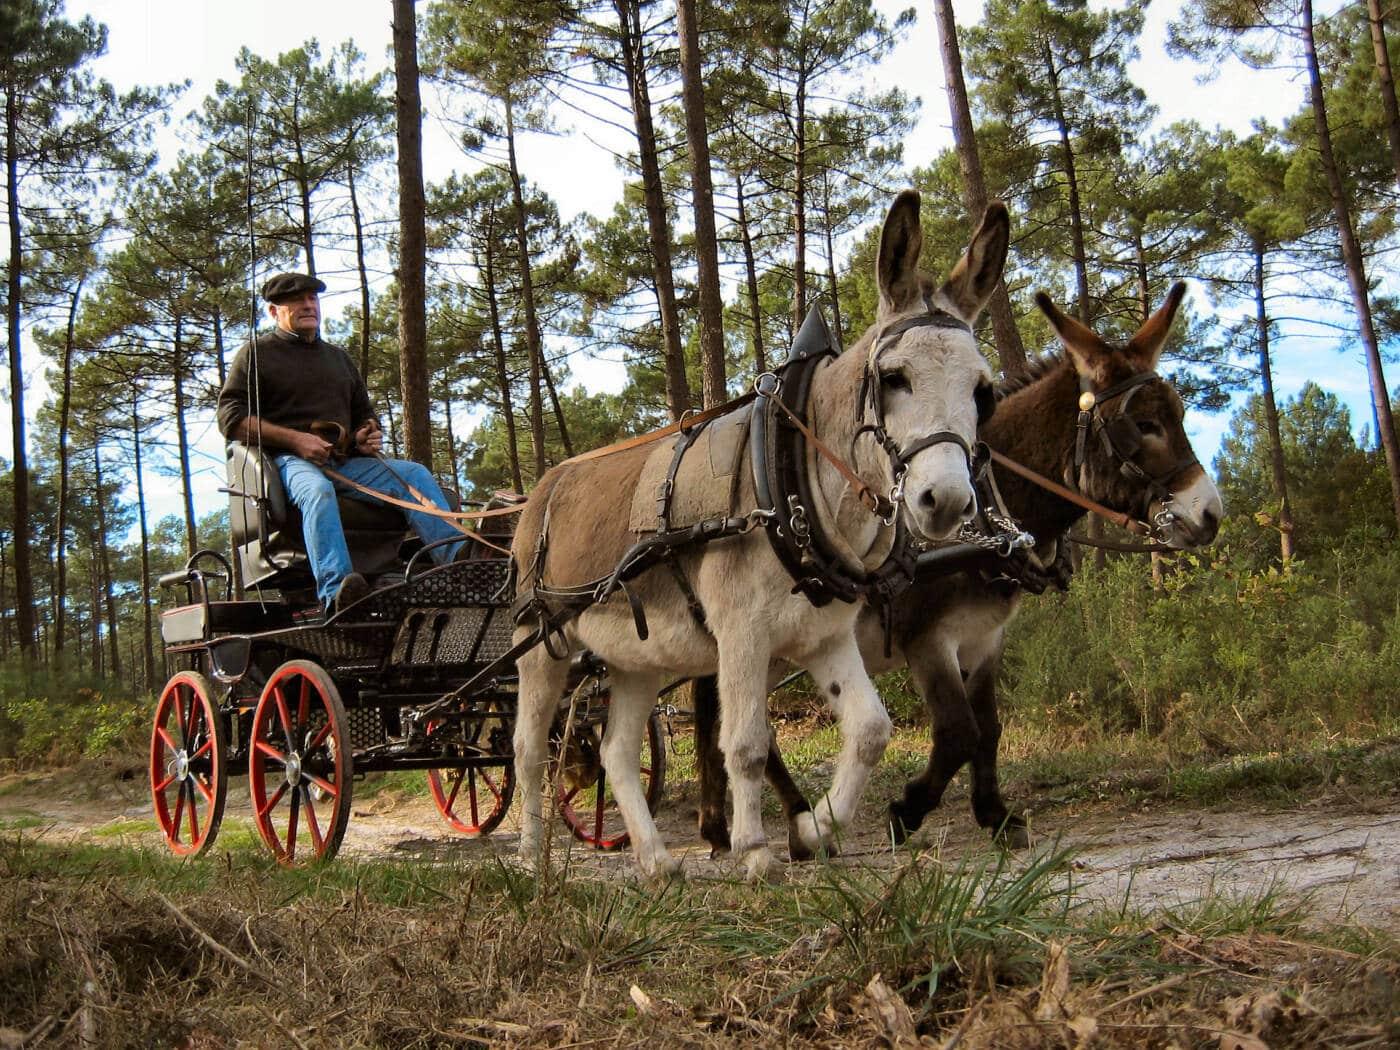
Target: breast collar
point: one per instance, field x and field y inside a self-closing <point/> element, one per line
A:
<point x="783" y="488"/>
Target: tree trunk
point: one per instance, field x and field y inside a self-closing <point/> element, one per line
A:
<point x="1287" y="539"/>
<point x="1010" y="349"/>
<point x="557" y="407"/>
<point x="452" y="465"/>
<point x="658" y="225"/>
<point x="1355" y="264"/>
<point x="760" y="357"/>
<point x="502" y="371"/>
<point x="24" y="583"/>
<point x="712" y="377"/>
<point x="413" y="318"/>
<point x="1076" y="218"/>
<point x="799" y="206"/>
<point x="527" y="293"/>
<point x="102" y="571"/>
<point x="61" y="529"/>
<point x="363" y="270"/>
<point x="828" y="237"/>
<point x="148" y="663"/>
<point x="1386" y="82"/>
<point x="183" y="440"/>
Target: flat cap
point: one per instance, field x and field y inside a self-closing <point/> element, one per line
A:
<point x="286" y="284"/>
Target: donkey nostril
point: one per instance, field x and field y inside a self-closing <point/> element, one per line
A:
<point x="969" y="509"/>
<point x="928" y="501"/>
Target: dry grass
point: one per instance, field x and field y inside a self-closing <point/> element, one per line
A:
<point x="113" y="948"/>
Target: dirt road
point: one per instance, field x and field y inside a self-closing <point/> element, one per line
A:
<point x="1340" y="855"/>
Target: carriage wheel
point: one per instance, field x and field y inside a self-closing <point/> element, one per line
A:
<point x="475" y="800"/>
<point x="587" y="803"/>
<point x="299" y="764"/>
<point x="189" y="778"/>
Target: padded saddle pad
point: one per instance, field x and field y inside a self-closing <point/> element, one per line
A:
<point x="707" y="481"/>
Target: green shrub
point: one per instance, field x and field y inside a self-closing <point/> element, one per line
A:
<point x="48" y="717"/>
<point x="1221" y="651"/>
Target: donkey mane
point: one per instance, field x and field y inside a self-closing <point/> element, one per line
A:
<point x="1036" y="369"/>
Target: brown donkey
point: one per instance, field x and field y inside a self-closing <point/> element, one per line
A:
<point x="920" y="368"/>
<point x="949" y="629"/>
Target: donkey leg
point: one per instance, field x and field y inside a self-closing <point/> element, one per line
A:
<point x="744" y="738"/>
<point x="709" y="761"/>
<point x="865" y="731"/>
<point x="987" y="804"/>
<point x="796" y="808"/>
<point x="954" y="737"/>
<point x="633" y="697"/>
<point x="709" y="766"/>
<point x="542" y="683"/>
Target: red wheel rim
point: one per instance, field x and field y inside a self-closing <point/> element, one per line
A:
<point x="299" y="748"/>
<point x="188" y="775"/>
<point x="591" y="813"/>
<point x="474" y="800"/>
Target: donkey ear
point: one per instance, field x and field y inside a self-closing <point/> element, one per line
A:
<point x="901" y="240"/>
<point x="973" y="279"/>
<point x="1145" y="348"/>
<point x="1088" y="353"/>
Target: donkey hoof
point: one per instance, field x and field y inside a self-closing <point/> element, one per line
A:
<point x="717" y="837"/>
<point x="812" y="839"/>
<point x="1013" y="834"/>
<point x="797" y="849"/>
<point x="759" y="866"/>
<point x="899" y="830"/>
<point x="663" y="868"/>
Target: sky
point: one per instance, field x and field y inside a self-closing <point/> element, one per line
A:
<point x="164" y="41"/>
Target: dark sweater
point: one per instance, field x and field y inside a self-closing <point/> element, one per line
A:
<point x="297" y="384"/>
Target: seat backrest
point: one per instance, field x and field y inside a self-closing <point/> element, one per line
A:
<point x="266" y="527"/>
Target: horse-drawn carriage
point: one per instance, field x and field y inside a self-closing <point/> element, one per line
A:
<point x="477" y="671"/>
<point x="417" y="675"/>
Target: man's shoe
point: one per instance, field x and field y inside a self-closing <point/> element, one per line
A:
<point x="352" y="589"/>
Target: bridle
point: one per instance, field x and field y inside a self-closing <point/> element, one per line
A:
<point x="870" y="405"/>
<point x="1122" y="439"/>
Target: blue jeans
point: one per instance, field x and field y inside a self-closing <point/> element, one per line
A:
<point x="314" y="495"/>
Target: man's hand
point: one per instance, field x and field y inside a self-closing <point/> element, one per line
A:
<point x="369" y="438"/>
<point x="311" y="447"/>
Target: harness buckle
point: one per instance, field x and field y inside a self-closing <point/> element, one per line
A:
<point x="896" y="496"/>
<point x="767" y="384"/>
<point x="797" y="521"/>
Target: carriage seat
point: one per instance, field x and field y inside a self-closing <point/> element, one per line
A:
<point x="266" y="528"/>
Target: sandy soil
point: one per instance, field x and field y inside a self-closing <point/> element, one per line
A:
<point x="1341" y="856"/>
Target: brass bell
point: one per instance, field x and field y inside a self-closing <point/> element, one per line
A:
<point x="1086" y="400"/>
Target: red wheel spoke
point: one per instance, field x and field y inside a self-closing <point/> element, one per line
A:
<point x="202" y="789"/>
<point x="321" y="782"/>
<point x="320" y="738"/>
<point x="311" y="825"/>
<point x="456" y="782"/>
<point x="285" y="717"/>
<point x="569" y="796"/>
<point x="204" y="749"/>
<point x="272" y="802"/>
<point x="165" y="739"/>
<point x="194" y="818"/>
<point x="292" y="824"/>
<point x="471" y="801"/>
<point x="179" y="813"/>
<point x="495" y="790"/>
<point x="264" y="748"/>
<point x="304" y="703"/>
<point x="180" y="711"/>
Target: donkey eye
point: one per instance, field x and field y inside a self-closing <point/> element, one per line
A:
<point x="1150" y="428"/>
<point x="895" y="380"/>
